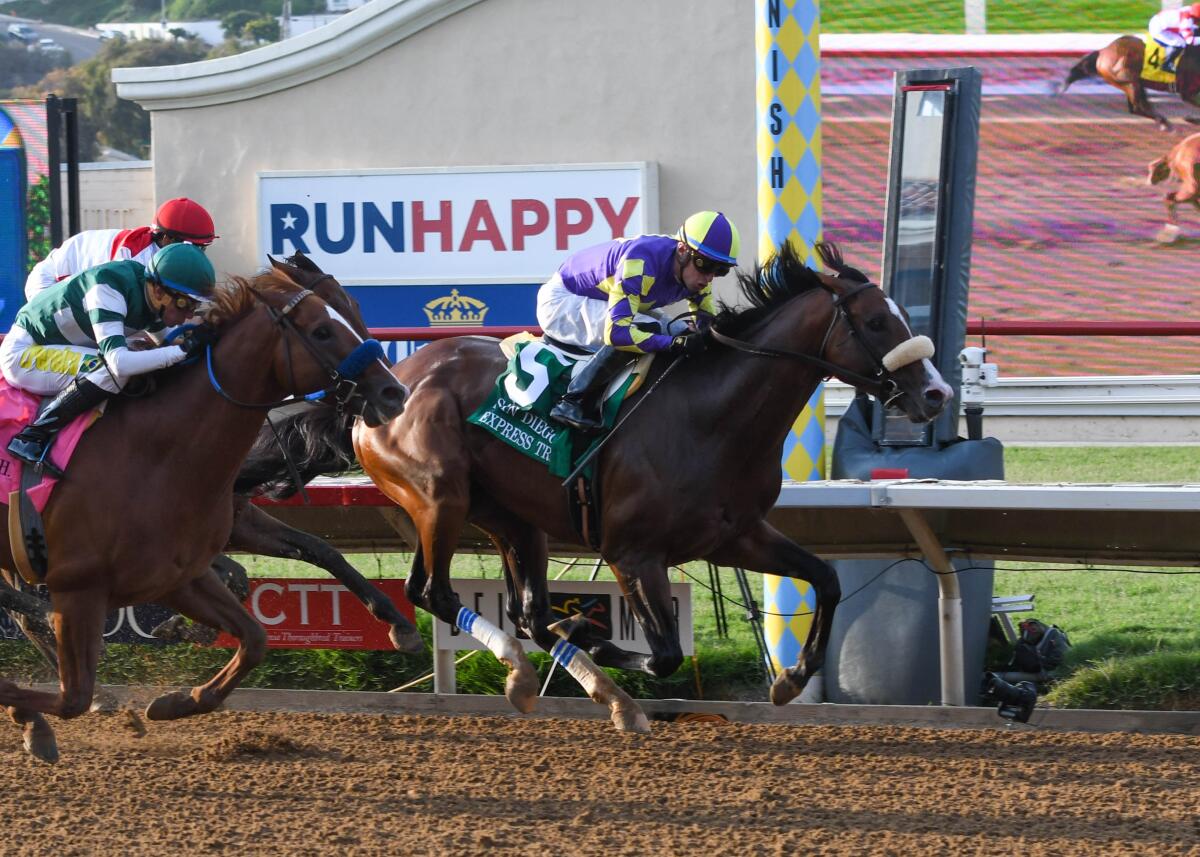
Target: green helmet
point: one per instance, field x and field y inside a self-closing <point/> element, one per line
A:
<point x="183" y="268"/>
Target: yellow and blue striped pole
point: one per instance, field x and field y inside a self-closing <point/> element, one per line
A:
<point x="788" y="98"/>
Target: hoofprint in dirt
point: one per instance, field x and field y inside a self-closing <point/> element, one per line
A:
<point x="252" y="783"/>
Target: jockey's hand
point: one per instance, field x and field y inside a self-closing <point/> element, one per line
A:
<point x="140" y="342"/>
<point x="689" y="343"/>
<point x="197" y="339"/>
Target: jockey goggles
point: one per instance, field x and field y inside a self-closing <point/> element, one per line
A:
<point x="706" y="265"/>
<point x="180" y="300"/>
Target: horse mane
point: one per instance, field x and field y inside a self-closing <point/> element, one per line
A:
<point x="316" y="438"/>
<point x="782" y="277"/>
<point x="235" y="298"/>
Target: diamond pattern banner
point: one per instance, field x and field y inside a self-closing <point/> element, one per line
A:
<point x="788" y="96"/>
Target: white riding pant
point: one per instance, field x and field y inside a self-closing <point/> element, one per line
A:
<point x="1164" y="29"/>
<point x="47" y="369"/>
<point x="576" y="320"/>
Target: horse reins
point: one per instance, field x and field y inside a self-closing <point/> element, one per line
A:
<point x="885" y="386"/>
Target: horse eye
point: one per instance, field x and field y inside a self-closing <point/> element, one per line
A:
<point x="877" y="323"/>
<point x="323" y="333"/>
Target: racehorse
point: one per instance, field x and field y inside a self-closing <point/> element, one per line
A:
<point x="689" y="475"/>
<point x="303" y="442"/>
<point x="1120" y="64"/>
<point x="1182" y="162"/>
<point x="171" y="460"/>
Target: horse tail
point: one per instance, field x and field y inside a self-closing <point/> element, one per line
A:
<point x="317" y="440"/>
<point x="1086" y="67"/>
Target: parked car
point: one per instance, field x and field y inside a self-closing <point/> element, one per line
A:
<point x="49" y="46"/>
<point x="22" y="33"/>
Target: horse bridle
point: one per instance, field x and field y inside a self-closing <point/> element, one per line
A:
<point x="343" y="378"/>
<point x="881" y="385"/>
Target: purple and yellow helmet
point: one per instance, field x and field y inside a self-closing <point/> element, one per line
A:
<point x="712" y="235"/>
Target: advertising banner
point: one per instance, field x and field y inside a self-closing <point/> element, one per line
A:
<point x="600" y="602"/>
<point x="462" y="247"/>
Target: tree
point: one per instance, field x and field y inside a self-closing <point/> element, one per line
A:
<point x="105" y="119"/>
<point x="234" y="24"/>
<point x="262" y="30"/>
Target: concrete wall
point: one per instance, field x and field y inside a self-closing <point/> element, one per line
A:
<point x="500" y="82"/>
<point x="115" y="195"/>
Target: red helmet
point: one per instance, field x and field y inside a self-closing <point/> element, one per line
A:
<point x="182" y="218"/>
<point x="1192" y="11"/>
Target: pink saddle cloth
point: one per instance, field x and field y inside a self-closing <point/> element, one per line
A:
<point x="17" y="410"/>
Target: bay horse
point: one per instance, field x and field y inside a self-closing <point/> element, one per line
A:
<point x="1183" y="163"/>
<point x="690" y="474"/>
<point x="301" y="442"/>
<point x="146" y="503"/>
<point x="1120" y="64"/>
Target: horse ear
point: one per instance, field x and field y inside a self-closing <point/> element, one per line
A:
<point x="275" y="263"/>
<point x="304" y="263"/>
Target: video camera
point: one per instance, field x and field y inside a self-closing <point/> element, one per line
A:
<point x="1016" y="700"/>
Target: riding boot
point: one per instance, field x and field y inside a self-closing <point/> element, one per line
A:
<point x="581" y="407"/>
<point x="1171" y="57"/>
<point x="32" y="444"/>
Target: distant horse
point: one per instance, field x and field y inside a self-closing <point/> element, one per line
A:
<point x="315" y="439"/>
<point x="691" y="474"/>
<point x="145" y="504"/>
<point x="1120" y="64"/>
<point x="1182" y="162"/>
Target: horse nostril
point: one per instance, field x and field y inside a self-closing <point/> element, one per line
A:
<point x="934" y="396"/>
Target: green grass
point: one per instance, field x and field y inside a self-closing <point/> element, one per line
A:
<point x="946" y="16"/>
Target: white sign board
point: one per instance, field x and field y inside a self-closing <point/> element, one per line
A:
<point x="600" y="601"/>
<point x="453" y="225"/>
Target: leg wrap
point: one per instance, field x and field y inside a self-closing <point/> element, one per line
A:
<point x="502" y="645"/>
<point x="590" y="677"/>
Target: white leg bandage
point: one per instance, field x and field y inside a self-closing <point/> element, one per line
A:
<point x="590" y="677"/>
<point x="502" y="645"/>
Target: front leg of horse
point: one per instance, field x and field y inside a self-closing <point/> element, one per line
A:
<point x="764" y="549"/>
<point x="207" y="601"/>
<point x="256" y="532"/>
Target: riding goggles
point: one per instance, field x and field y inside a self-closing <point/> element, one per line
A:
<point x="180" y="300"/>
<point x="706" y="265"/>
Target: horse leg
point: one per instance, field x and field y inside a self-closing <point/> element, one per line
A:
<point x="1170" y="231"/>
<point x="254" y="531"/>
<point x="79" y="627"/>
<point x="1139" y="105"/>
<point x="766" y="550"/>
<point x="206" y="600"/>
<point x="523" y="549"/>
<point x="438" y="526"/>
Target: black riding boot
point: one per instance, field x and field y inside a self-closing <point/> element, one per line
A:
<point x="32" y="444"/>
<point x="1170" y="58"/>
<point x="581" y="406"/>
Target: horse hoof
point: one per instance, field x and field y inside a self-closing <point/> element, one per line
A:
<point x="40" y="741"/>
<point x="104" y="702"/>
<point x="629" y="717"/>
<point x="406" y="640"/>
<point x="1168" y="234"/>
<point x="171" y="706"/>
<point x="521" y="686"/>
<point x="785" y="688"/>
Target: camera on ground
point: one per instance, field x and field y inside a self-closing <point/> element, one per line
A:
<point x="1017" y="701"/>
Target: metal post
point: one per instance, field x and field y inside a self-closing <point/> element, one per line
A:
<point x="949" y="604"/>
<point x="72" y="128"/>
<point x="54" y="167"/>
<point x="444" y="671"/>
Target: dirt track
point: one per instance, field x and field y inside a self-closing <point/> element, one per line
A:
<point x="247" y="783"/>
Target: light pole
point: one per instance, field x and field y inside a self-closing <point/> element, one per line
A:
<point x="164" y="19"/>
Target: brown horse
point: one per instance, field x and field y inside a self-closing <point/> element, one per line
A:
<point x="145" y="505"/>
<point x="1182" y="162"/>
<point x="1120" y="64"/>
<point x="691" y="474"/>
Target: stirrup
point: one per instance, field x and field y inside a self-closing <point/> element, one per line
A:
<point x="42" y="464"/>
<point x="574" y="417"/>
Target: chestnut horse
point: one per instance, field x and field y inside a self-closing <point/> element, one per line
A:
<point x="1182" y="163"/>
<point x="689" y="475"/>
<point x="314" y="439"/>
<point x="1119" y="64"/>
<point x="145" y="504"/>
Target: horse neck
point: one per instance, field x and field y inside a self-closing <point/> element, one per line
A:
<point x="764" y="395"/>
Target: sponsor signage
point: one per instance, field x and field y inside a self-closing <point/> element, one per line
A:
<point x="602" y="604"/>
<point x="306" y="613"/>
<point x="456" y="246"/>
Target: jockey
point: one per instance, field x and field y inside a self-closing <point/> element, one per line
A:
<point x="1175" y="29"/>
<point x="599" y="299"/>
<point x="70" y="339"/>
<point x="177" y="220"/>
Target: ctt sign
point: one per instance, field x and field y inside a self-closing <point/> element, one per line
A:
<point x="458" y="225"/>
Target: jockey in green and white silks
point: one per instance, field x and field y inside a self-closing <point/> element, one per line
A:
<point x="70" y="339"/>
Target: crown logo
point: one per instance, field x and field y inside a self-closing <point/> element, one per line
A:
<point x="456" y="310"/>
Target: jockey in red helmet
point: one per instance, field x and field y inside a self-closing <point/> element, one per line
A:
<point x="1175" y="30"/>
<point x="179" y="220"/>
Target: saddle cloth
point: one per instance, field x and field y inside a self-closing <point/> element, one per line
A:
<point x="17" y="410"/>
<point x="518" y="409"/>
<point x="1152" y="61"/>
